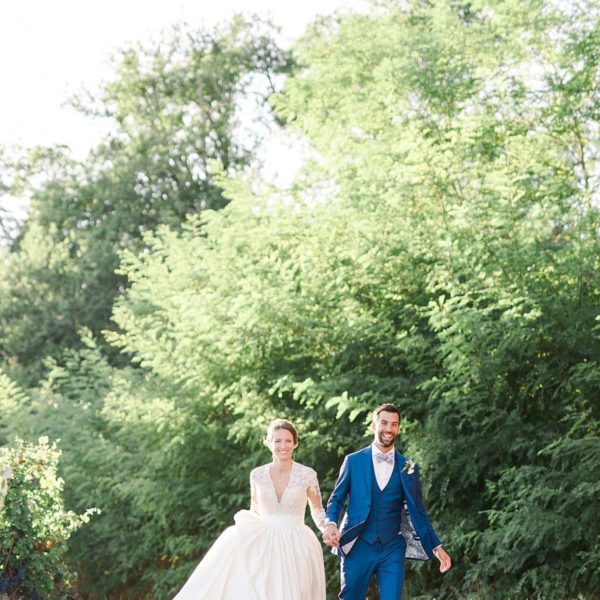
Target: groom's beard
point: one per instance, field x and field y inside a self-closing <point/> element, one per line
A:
<point x="386" y="442"/>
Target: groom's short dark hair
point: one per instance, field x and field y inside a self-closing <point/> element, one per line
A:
<point x="387" y="407"/>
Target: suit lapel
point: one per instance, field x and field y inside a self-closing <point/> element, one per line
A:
<point x="400" y="460"/>
<point x="407" y="480"/>
<point x="367" y="470"/>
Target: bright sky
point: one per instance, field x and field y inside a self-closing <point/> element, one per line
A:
<point x="50" y="49"/>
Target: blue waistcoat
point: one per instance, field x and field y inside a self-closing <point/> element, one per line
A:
<point x="385" y="516"/>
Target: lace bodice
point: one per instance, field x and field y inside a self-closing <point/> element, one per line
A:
<point x="303" y="487"/>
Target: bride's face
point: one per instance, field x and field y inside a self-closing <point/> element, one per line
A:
<point x="281" y="443"/>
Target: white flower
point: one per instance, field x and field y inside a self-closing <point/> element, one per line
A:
<point x="409" y="467"/>
<point x="4" y="489"/>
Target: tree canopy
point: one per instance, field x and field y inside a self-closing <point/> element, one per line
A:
<point x="175" y="107"/>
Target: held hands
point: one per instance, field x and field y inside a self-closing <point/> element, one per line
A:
<point x="445" y="560"/>
<point x="331" y="535"/>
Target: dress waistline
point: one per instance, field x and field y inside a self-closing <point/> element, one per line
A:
<point x="282" y="519"/>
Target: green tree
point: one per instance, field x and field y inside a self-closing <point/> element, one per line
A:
<point x="174" y="107"/>
<point x="475" y="125"/>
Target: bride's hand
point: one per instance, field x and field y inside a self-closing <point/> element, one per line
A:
<point x="331" y="535"/>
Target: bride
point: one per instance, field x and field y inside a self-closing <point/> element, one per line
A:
<point x="269" y="554"/>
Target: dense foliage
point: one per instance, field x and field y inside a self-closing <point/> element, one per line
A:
<point x="441" y="251"/>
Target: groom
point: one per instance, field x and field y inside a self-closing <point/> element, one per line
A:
<point x="385" y="520"/>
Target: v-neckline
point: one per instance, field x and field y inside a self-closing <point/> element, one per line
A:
<point x="278" y="498"/>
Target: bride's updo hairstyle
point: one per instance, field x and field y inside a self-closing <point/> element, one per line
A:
<point x="280" y="424"/>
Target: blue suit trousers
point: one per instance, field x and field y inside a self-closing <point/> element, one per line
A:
<point x="385" y="561"/>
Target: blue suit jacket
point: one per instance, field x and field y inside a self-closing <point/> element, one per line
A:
<point x="354" y="485"/>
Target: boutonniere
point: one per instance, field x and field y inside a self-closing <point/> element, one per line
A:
<point x="409" y="467"/>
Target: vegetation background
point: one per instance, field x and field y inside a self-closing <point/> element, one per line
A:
<point x="161" y="303"/>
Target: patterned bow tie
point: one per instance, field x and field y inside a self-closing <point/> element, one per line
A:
<point x="381" y="457"/>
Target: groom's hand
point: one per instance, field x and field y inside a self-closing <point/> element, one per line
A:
<point x="445" y="560"/>
<point x="331" y="535"/>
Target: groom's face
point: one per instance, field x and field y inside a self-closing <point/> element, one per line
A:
<point x="386" y="427"/>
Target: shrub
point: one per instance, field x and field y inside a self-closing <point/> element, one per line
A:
<point x="34" y="525"/>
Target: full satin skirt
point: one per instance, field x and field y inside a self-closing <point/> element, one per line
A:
<point x="260" y="558"/>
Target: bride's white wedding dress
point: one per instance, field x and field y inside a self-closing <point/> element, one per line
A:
<point x="269" y="554"/>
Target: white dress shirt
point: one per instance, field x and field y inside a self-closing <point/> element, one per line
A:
<point x="383" y="469"/>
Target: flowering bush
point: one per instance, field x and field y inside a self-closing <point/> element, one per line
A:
<point x="34" y="525"/>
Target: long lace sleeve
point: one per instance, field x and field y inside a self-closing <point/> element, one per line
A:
<point x="253" y="495"/>
<point x="317" y="512"/>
